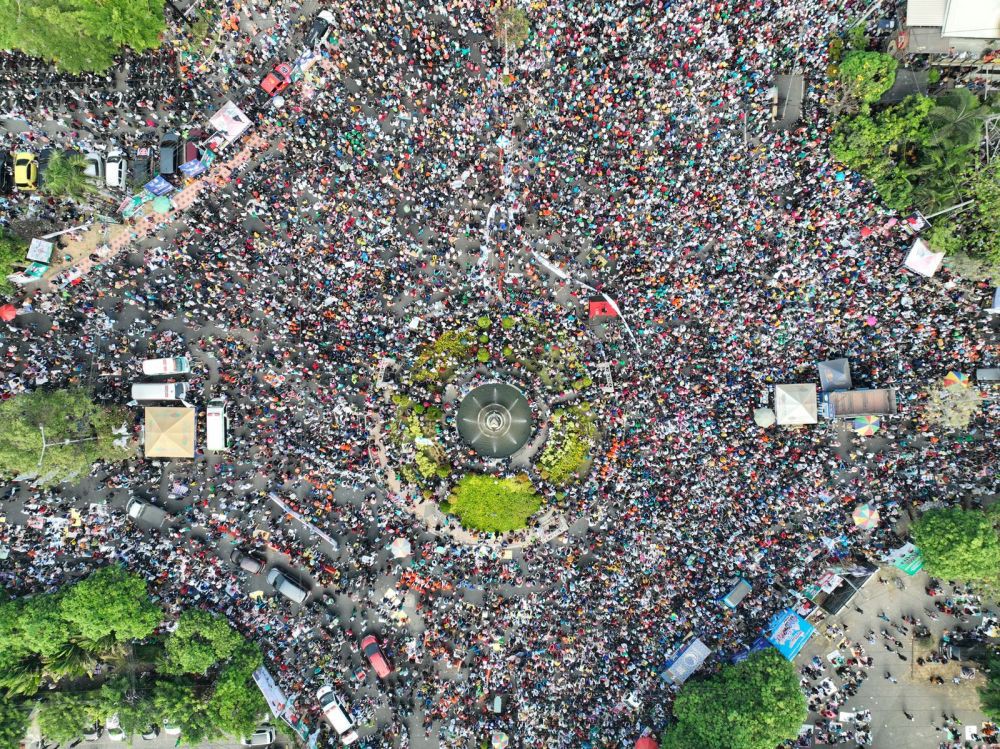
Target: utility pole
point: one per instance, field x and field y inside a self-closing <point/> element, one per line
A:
<point x="955" y="207"/>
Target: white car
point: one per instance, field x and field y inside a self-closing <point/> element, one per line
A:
<point x="116" y="171"/>
<point x="95" y="166"/>
<point x="115" y="732"/>
<point x="337" y="715"/>
<point x="263" y="736"/>
<point x="171" y="729"/>
<point x="172" y="365"/>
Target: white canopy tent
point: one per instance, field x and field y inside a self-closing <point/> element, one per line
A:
<point x="795" y="404"/>
<point x="170" y="432"/>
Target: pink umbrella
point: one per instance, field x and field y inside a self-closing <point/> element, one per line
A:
<point x="870" y="320"/>
<point x="8" y="312"/>
<point x="865" y="232"/>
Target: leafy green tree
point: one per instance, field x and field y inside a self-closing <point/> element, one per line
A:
<point x="200" y="641"/>
<point x="959" y="544"/>
<point x="957" y="119"/>
<point x="14" y="719"/>
<point x="43" y="624"/>
<point x="130" y="702"/>
<point x="77" y="434"/>
<point x="865" y="76"/>
<point x="983" y="231"/>
<point x="754" y="704"/>
<point x="64" y="177"/>
<point x="246" y="659"/>
<point x="111" y="602"/>
<point x="12" y="252"/>
<point x="492" y="504"/>
<point x="236" y="704"/>
<point x="511" y="25"/>
<point x="63" y="717"/>
<point x="178" y="703"/>
<point x="989" y="694"/>
<point x="79" y="35"/>
<point x="943" y="237"/>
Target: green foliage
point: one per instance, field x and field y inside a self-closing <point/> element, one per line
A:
<point x="64" y="177"/>
<point x="200" y="641"/>
<point x="79" y="35"/>
<point x="63" y="717"/>
<point x="755" y="704"/>
<point x="133" y="706"/>
<point x="857" y="39"/>
<point x="933" y="76"/>
<point x="64" y="415"/>
<point x="957" y="119"/>
<point x="483" y="355"/>
<point x="12" y="252"/>
<point x="959" y="544"/>
<point x="511" y="25"/>
<point x="111" y="602"/>
<point x="177" y="702"/>
<point x="567" y="450"/>
<point x="507" y="322"/>
<point x="492" y="504"/>
<point x="983" y="220"/>
<point x="438" y="361"/>
<point x="13" y="723"/>
<point x="942" y="237"/>
<point x="835" y="50"/>
<point x="236" y="703"/>
<point x="483" y="322"/>
<point x="989" y="695"/>
<point x="865" y="76"/>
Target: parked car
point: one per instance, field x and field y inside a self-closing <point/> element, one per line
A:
<point x="139" y="510"/>
<point x="170" y="728"/>
<point x="116" y="172"/>
<point x="6" y="173"/>
<point x="171" y="365"/>
<point x="142" y="166"/>
<point x="95" y="166"/>
<point x="92" y="733"/>
<point x="170" y="153"/>
<point x="372" y="651"/>
<point x="150" y="733"/>
<point x="25" y="171"/>
<point x="250" y="561"/>
<point x="278" y="79"/>
<point x="115" y="732"/>
<point x="337" y="715"/>
<point x="318" y="28"/>
<point x="263" y="736"/>
<point x="286" y="586"/>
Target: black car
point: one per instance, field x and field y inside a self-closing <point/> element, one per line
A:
<point x="318" y="28"/>
<point x="142" y="166"/>
<point x="170" y="153"/>
<point x="6" y="173"/>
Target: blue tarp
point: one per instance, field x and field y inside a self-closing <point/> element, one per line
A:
<point x="159" y="186"/>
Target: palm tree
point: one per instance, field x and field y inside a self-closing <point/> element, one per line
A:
<point x="64" y="177"/>
<point x="24" y="678"/>
<point x="957" y="119"/>
<point x="72" y="661"/>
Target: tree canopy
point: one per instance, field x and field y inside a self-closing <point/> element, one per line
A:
<point x="13" y="723"/>
<point x="12" y="252"/>
<point x="492" y="504"/>
<point x="80" y="35"/>
<point x="200" y="641"/>
<point x="64" y="415"/>
<point x="989" y="694"/>
<point x="65" y="178"/>
<point x="754" y="704"/>
<point x="111" y="602"/>
<point x="177" y="702"/>
<point x="64" y="716"/>
<point x="960" y="544"/>
<point x="866" y="76"/>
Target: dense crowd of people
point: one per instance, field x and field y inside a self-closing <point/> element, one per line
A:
<point x="629" y="145"/>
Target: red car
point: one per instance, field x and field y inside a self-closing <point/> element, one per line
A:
<point x="369" y="646"/>
<point x="278" y="79"/>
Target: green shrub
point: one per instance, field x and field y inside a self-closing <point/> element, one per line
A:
<point x="567" y="450"/>
<point x="507" y="322"/>
<point x="483" y="355"/>
<point x="933" y="76"/>
<point x="492" y="504"/>
<point x="483" y="322"/>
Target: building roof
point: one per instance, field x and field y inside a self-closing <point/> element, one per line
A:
<point x="795" y="404"/>
<point x="977" y="19"/>
<point x="925" y="12"/>
<point x="170" y="432"/>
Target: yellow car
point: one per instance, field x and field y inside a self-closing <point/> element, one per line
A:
<point x="25" y="171"/>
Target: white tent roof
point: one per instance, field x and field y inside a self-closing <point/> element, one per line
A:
<point x="795" y="404"/>
<point x="976" y="19"/>
<point x="170" y="432"/>
<point x="925" y="12"/>
<point x="922" y="260"/>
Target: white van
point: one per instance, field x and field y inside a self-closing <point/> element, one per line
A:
<point x="217" y="425"/>
<point x="286" y="586"/>
<point x="173" y="365"/>
<point x="337" y="715"/>
<point x="159" y="391"/>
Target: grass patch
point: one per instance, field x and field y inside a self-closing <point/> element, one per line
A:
<point x="488" y="503"/>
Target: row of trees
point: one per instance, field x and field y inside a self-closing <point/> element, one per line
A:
<point x="80" y="35"/>
<point x="198" y="677"/>
<point x="922" y="153"/>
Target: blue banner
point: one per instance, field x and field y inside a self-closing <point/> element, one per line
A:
<point x="159" y="186"/>
<point x="193" y="168"/>
<point x="789" y="633"/>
